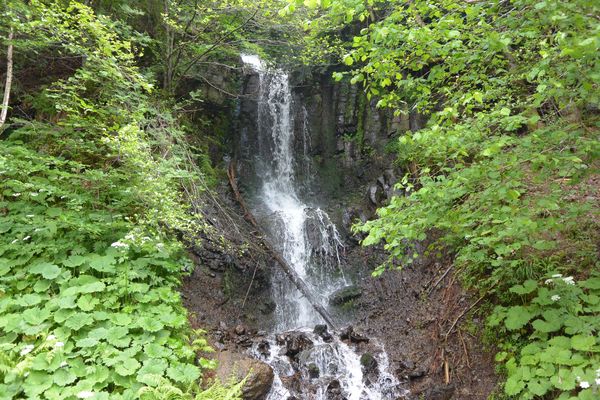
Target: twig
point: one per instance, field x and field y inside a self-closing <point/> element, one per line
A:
<point x="439" y="280"/>
<point x="249" y="286"/>
<point x="463" y="314"/>
<point x="464" y="348"/>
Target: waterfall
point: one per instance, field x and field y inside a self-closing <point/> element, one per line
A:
<point x="311" y="244"/>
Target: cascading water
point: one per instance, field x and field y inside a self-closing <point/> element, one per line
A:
<point x="328" y="368"/>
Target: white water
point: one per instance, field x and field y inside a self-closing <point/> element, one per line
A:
<point x="311" y="244"/>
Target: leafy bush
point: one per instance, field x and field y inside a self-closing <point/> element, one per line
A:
<point x="90" y="217"/>
<point x="557" y="328"/>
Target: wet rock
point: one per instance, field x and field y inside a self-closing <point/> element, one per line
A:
<point x="349" y="334"/>
<point x="368" y="363"/>
<point x="441" y="392"/>
<point x="313" y="371"/>
<point x="334" y="391"/>
<point x="263" y="348"/>
<point x="345" y="295"/>
<point x="293" y="382"/>
<point x="259" y="376"/>
<point x="293" y="343"/>
<point x="267" y="307"/>
<point x="321" y="330"/>
<point x="407" y="365"/>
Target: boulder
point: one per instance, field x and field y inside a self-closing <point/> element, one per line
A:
<point x="237" y="366"/>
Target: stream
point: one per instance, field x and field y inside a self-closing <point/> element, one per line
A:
<point x="309" y="362"/>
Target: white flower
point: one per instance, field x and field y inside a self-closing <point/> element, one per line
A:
<point x="584" y="384"/>
<point x="26" y="350"/>
<point x="549" y="281"/>
<point x="555" y="297"/>
<point x="14" y="241"/>
<point x="598" y="372"/>
<point x="557" y="276"/>
<point x="16" y="194"/>
<point x="129" y="237"/>
<point x="119" y="245"/>
<point x="51" y="337"/>
<point x="569" y="280"/>
<point x="63" y="364"/>
<point x="27" y="238"/>
<point x="160" y="245"/>
<point x="598" y="381"/>
<point x="63" y="197"/>
<point x="85" y="394"/>
<point x="59" y="344"/>
<point x="34" y="194"/>
<point x="30" y="215"/>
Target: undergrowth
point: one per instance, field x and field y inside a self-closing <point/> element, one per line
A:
<point x="92" y="225"/>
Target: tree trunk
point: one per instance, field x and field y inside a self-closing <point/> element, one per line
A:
<point x="9" y="75"/>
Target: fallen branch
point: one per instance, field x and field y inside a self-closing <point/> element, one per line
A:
<point x="287" y="268"/>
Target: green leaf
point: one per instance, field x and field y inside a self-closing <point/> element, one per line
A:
<point x="184" y="373"/>
<point x="517" y="317"/>
<point x="150" y="324"/>
<point x="546" y="326"/>
<point x="47" y="270"/>
<point x="527" y="287"/>
<point x="79" y="320"/>
<point x="583" y="343"/>
<point x="64" y="376"/>
<point x="514" y="385"/>
<point x="127" y="367"/>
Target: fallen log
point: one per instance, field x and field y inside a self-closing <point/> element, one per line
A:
<point x="285" y="266"/>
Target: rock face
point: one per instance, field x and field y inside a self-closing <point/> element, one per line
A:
<point x="344" y="295"/>
<point x="238" y="366"/>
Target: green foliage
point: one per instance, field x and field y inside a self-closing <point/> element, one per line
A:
<point x="558" y="351"/>
<point x="90" y="216"/>
<point x="504" y="171"/>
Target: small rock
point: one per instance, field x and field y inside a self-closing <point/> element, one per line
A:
<point x="407" y="365"/>
<point x="334" y="391"/>
<point x="264" y="348"/>
<point x="368" y="362"/>
<point x="293" y="343"/>
<point x="441" y="392"/>
<point x="418" y="373"/>
<point x="240" y="329"/>
<point x="352" y="336"/>
<point x="313" y="371"/>
<point x="321" y="330"/>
